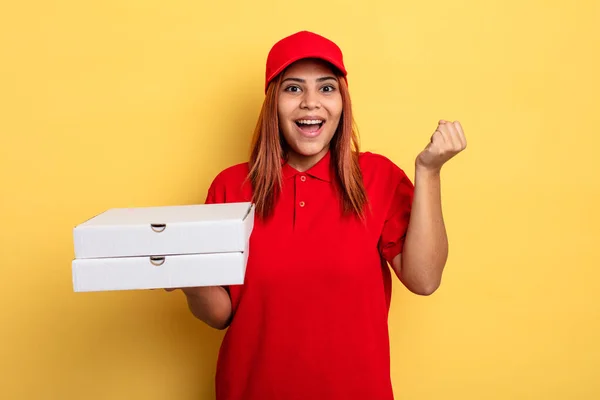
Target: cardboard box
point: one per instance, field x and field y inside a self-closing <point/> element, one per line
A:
<point x="170" y="230"/>
<point x="159" y="272"/>
<point x="163" y="247"/>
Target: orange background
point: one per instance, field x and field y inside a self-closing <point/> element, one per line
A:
<point x="129" y="103"/>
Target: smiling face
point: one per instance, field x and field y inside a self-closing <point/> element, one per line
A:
<point x="309" y="110"/>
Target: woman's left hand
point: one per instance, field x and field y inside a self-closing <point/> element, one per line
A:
<point x="447" y="141"/>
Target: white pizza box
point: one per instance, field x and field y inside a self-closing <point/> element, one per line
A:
<point x="159" y="272"/>
<point x="165" y="230"/>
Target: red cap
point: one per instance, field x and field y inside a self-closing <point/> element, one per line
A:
<point x="301" y="45"/>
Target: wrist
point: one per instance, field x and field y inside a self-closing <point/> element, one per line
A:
<point x="422" y="172"/>
<point x="191" y="292"/>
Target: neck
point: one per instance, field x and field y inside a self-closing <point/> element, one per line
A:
<point x="303" y="163"/>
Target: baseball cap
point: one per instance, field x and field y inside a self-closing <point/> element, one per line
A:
<point x="300" y="45"/>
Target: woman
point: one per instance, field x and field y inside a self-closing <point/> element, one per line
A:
<point x="310" y="321"/>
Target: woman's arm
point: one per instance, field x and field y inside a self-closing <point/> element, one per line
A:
<point x="425" y="250"/>
<point x="210" y="304"/>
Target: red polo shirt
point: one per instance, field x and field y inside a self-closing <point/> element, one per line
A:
<point x="310" y="321"/>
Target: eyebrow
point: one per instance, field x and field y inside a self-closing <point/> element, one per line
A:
<point x="321" y="79"/>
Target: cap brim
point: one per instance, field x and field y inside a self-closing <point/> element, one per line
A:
<point x="303" y="57"/>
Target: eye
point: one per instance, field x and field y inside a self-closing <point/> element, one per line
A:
<point x="292" y="88"/>
<point x="328" y="88"/>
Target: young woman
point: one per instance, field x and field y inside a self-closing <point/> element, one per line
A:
<point x="310" y="321"/>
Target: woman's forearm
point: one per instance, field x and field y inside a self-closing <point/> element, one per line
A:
<point x="211" y="305"/>
<point x="426" y="244"/>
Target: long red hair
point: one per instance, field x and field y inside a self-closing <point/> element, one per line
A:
<point x="268" y="149"/>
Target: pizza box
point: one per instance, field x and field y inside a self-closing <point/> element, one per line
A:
<point x="166" y="230"/>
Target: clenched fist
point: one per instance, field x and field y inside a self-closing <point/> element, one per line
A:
<point x="447" y="141"/>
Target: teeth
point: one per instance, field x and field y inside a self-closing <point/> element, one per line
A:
<point x="310" y="121"/>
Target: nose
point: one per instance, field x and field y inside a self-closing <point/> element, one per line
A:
<point x="310" y="100"/>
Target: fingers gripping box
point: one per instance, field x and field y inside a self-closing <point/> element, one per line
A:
<point x="163" y="247"/>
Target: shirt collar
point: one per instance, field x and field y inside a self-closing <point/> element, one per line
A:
<point x="321" y="170"/>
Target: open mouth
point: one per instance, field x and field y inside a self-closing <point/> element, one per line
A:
<point x="310" y="126"/>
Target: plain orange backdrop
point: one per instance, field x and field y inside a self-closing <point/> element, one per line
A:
<point x="136" y="103"/>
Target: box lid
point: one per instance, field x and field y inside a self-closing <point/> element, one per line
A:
<point x="170" y="214"/>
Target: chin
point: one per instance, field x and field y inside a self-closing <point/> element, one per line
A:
<point x="309" y="149"/>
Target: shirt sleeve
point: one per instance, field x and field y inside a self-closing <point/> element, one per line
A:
<point x="397" y="216"/>
<point x="216" y="192"/>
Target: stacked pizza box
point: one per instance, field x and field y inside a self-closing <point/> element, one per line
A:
<point x="163" y="247"/>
